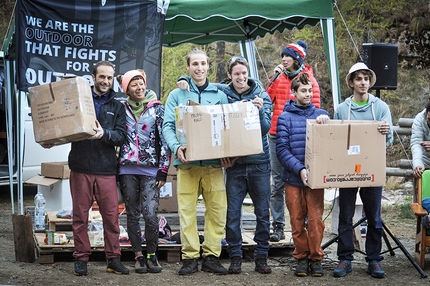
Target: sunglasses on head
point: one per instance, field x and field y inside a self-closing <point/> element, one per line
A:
<point x="236" y="58"/>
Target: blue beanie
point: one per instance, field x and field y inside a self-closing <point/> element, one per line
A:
<point x="297" y="51"/>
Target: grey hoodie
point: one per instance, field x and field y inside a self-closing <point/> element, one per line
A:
<point x="375" y="109"/>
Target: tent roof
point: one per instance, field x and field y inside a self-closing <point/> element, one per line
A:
<point x="205" y="21"/>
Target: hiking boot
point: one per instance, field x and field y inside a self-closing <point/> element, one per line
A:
<point x="301" y="268"/>
<point x="212" y="264"/>
<point x="374" y="269"/>
<point x="189" y="266"/>
<point x="235" y="265"/>
<point x="278" y="234"/>
<point x="153" y="265"/>
<point x="115" y="266"/>
<point x="316" y="268"/>
<point x="80" y="268"/>
<point x="140" y="265"/>
<point x="342" y="268"/>
<point x="261" y="265"/>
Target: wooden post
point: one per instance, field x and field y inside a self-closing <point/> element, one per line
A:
<point x="23" y="238"/>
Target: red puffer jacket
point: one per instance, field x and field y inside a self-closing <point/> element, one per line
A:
<point x="280" y="93"/>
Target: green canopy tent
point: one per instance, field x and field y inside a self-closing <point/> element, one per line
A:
<point x="203" y="22"/>
<point x="206" y="21"/>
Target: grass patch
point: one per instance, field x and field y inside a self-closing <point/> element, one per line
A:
<point x="400" y="211"/>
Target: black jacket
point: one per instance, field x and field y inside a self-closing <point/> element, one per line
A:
<point x="99" y="156"/>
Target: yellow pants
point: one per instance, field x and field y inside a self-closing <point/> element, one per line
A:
<point x="207" y="181"/>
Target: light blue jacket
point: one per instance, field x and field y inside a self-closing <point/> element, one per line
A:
<point x="375" y="109"/>
<point x="211" y="95"/>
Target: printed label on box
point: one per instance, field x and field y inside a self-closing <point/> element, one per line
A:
<point x="166" y="190"/>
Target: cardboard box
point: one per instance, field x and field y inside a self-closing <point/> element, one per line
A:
<point x="345" y="154"/>
<point x="332" y="195"/>
<point x="172" y="170"/>
<point x="56" y="192"/>
<point x="59" y="170"/>
<point x="219" y="131"/>
<point x="168" y="198"/>
<point x="62" y="111"/>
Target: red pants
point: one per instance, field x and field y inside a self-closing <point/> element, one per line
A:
<point x="305" y="203"/>
<point x="104" y="188"/>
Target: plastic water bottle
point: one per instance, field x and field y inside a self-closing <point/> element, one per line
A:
<point x="39" y="211"/>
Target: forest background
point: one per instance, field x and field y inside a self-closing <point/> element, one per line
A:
<point x="402" y="22"/>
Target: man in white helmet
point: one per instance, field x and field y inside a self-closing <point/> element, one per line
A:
<point x="362" y="105"/>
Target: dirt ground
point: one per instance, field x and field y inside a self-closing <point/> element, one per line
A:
<point x="399" y="270"/>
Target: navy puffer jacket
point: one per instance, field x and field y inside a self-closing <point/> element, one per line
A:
<point x="291" y="140"/>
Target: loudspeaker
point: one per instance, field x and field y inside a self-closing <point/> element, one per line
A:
<point x="382" y="59"/>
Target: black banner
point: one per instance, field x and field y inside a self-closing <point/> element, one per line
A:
<point x="64" y="37"/>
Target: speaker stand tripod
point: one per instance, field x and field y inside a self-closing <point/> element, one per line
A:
<point x="390" y="248"/>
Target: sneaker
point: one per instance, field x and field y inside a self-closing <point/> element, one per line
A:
<point x="153" y="265"/>
<point x="115" y="266"/>
<point x="302" y="268"/>
<point x="261" y="265"/>
<point x="374" y="269"/>
<point x="342" y="268"/>
<point x="235" y="265"/>
<point x="278" y="234"/>
<point x="316" y="268"/>
<point x="212" y="264"/>
<point x="80" y="268"/>
<point x="140" y="265"/>
<point x="189" y="266"/>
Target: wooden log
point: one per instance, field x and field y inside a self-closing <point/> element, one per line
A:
<point x="399" y="172"/>
<point x="23" y="238"/>
<point x="405" y="122"/>
<point x="405" y="164"/>
<point x="402" y="130"/>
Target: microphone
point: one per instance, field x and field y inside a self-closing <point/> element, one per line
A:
<point x="275" y="76"/>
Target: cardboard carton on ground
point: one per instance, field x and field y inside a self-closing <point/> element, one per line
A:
<point x="172" y="170"/>
<point x="56" y="192"/>
<point x="332" y="195"/>
<point x="345" y="153"/>
<point x="219" y="131"/>
<point x="59" y="170"/>
<point x="62" y="111"/>
<point x="168" y="199"/>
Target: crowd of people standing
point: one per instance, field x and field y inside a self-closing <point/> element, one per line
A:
<point x="144" y="131"/>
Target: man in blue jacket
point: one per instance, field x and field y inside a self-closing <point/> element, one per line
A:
<point x="93" y="165"/>
<point x="196" y="178"/>
<point x="250" y="174"/>
<point x="362" y="105"/>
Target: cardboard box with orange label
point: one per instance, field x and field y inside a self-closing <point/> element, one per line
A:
<point x="344" y="154"/>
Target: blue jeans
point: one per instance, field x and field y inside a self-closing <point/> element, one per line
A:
<point x="371" y="198"/>
<point x="277" y="201"/>
<point x="255" y="180"/>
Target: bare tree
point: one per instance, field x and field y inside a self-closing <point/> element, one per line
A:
<point x="220" y="64"/>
